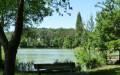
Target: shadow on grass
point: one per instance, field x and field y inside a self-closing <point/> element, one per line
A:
<point x="67" y="73"/>
<point x="115" y="71"/>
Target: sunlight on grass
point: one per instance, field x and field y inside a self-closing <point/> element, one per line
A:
<point x="106" y="70"/>
<point x="107" y="67"/>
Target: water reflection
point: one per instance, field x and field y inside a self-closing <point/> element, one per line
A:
<point x="45" y="55"/>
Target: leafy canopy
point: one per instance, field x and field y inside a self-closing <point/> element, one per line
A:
<point x="34" y="10"/>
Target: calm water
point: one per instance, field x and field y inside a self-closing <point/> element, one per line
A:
<point x="45" y="55"/>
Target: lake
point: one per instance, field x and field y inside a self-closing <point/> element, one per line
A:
<point x="45" y="55"/>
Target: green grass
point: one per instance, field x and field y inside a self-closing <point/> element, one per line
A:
<point x="25" y="74"/>
<point x="106" y="70"/>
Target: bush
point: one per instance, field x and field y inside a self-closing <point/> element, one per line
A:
<point x="66" y="61"/>
<point x="93" y="63"/>
<point x="22" y="66"/>
<point x="89" y="59"/>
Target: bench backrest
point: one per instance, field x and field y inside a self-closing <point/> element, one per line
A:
<point x="55" y="66"/>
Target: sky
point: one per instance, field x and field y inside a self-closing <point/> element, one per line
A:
<point x="85" y="7"/>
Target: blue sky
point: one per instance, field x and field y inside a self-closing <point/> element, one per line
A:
<point x="85" y="7"/>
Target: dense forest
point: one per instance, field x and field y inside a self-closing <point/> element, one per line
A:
<point x="43" y="37"/>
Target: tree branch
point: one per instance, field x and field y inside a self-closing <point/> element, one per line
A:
<point x="3" y="38"/>
<point x="9" y="20"/>
<point x="15" y="40"/>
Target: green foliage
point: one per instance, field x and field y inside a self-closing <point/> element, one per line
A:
<point x="87" y="34"/>
<point x="89" y="59"/>
<point x="66" y="61"/>
<point x="33" y="10"/>
<point x="108" y="20"/>
<point x="23" y="42"/>
<point x="22" y="67"/>
<point x="114" y="44"/>
<point x="93" y="63"/>
<point x="68" y="41"/>
<point x="29" y="11"/>
<point x="78" y="30"/>
<point x="43" y="37"/>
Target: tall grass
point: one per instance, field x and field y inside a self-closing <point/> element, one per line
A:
<point x="23" y="67"/>
<point x="65" y="61"/>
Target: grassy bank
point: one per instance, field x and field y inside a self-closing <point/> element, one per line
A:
<point x="105" y="70"/>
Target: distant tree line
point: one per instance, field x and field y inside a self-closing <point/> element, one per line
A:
<point x="43" y="37"/>
<point x="57" y="38"/>
<point x="46" y="37"/>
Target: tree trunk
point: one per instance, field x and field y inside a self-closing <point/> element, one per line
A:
<point x="9" y="66"/>
<point x="10" y="47"/>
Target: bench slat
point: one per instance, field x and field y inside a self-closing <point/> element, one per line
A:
<point x="112" y="55"/>
<point x="55" y="66"/>
<point x="52" y="68"/>
<point x="54" y="71"/>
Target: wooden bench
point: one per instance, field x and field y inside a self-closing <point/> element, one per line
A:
<point x="111" y="59"/>
<point x="53" y="68"/>
<point x="113" y="56"/>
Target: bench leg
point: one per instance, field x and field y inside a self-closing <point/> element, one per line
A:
<point x="110" y="61"/>
<point x="38" y="71"/>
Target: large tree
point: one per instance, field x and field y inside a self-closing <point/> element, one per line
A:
<point x="108" y="23"/>
<point x="20" y="13"/>
<point x="3" y="14"/>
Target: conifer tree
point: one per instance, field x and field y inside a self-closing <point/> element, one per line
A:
<point x="79" y="30"/>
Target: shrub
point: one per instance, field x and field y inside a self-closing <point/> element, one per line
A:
<point x="93" y="63"/>
<point x="89" y="59"/>
<point x="22" y="66"/>
<point x="66" y="61"/>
